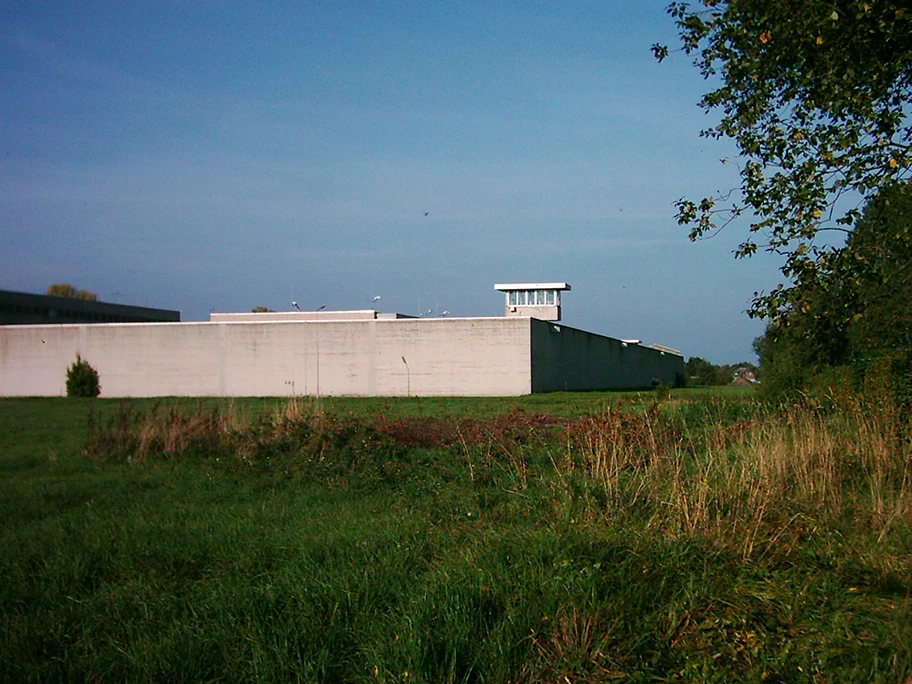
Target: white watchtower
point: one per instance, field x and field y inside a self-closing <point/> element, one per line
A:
<point x="537" y="300"/>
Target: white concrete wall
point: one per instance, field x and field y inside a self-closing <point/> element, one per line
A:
<point x="472" y="356"/>
<point x="544" y="312"/>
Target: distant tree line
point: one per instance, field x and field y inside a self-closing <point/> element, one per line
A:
<point x="701" y="373"/>
<point x="70" y="292"/>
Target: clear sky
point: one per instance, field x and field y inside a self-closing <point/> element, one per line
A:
<point x="222" y="155"/>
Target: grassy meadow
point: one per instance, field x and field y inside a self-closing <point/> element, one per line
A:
<point x="687" y="535"/>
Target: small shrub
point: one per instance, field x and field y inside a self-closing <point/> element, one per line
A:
<point x="82" y="379"/>
<point x="661" y="390"/>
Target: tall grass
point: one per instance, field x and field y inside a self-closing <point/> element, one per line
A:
<point x="753" y="486"/>
<point x="698" y="539"/>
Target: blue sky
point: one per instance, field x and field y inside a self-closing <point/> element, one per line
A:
<point x="223" y="155"/>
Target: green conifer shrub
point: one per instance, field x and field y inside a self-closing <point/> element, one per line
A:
<point x="82" y="379"/>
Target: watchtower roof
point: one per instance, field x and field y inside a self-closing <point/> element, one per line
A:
<point x="506" y="287"/>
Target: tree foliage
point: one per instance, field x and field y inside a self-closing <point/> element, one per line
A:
<point x="878" y="259"/>
<point x="857" y="309"/>
<point x="816" y="97"/>
<point x="70" y="292"/>
<point x="82" y="379"/>
<point x="700" y="372"/>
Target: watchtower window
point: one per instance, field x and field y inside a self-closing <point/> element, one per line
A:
<point x="532" y="297"/>
<point x="539" y="300"/>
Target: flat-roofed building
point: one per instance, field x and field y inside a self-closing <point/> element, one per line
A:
<point x="23" y="308"/>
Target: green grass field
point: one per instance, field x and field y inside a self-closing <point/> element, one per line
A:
<point x="693" y="536"/>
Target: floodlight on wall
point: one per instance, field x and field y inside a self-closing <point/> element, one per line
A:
<point x="295" y="305"/>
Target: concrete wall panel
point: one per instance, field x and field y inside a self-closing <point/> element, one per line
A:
<point x="568" y="359"/>
<point x="443" y="357"/>
<point x="359" y="358"/>
<point x="34" y="359"/>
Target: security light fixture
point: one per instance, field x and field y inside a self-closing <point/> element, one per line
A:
<point x="408" y="378"/>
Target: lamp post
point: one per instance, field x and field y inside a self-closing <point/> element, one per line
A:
<point x="408" y="378"/>
<point x="316" y="320"/>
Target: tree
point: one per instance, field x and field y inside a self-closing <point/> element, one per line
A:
<point x="261" y="309"/>
<point x="82" y="380"/>
<point x="70" y="292"/>
<point x="878" y="257"/>
<point x="699" y="372"/>
<point x="816" y="96"/>
<point x="856" y="310"/>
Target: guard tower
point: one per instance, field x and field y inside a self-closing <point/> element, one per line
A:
<point x="537" y="300"/>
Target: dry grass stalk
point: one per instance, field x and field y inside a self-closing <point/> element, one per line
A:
<point x="791" y="469"/>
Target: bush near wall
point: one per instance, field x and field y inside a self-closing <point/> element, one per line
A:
<point x="82" y="379"/>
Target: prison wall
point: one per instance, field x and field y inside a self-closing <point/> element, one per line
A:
<point x="423" y="357"/>
<point x="568" y="359"/>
